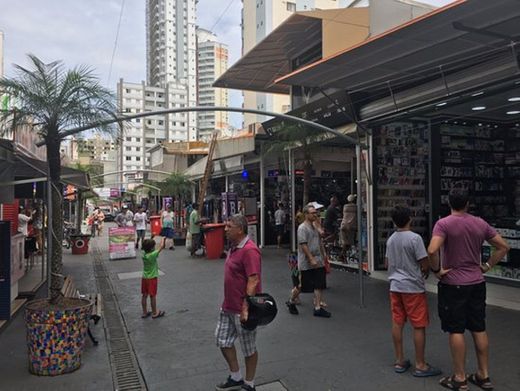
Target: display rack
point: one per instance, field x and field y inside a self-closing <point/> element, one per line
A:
<point x="401" y="160"/>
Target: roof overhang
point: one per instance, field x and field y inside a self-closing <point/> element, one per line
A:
<point x="271" y="58"/>
<point x="20" y="166"/>
<point x="445" y="40"/>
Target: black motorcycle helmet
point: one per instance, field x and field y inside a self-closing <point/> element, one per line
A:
<point x="262" y="311"/>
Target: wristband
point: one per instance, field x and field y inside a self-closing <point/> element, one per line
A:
<point x="488" y="266"/>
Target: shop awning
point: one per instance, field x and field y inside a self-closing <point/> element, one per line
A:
<point x="271" y="58"/>
<point x="446" y="40"/>
<point x="16" y="166"/>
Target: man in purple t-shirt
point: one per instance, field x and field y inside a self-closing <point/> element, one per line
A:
<point x="462" y="288"/>
<point x="242" y="272"/>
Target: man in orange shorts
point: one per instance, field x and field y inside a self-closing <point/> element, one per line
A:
<point x="407" y="263"/>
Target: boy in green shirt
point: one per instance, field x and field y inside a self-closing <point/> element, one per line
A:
<point x="150" y="275"/>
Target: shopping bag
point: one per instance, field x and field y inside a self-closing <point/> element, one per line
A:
<point x="327" y="265"/>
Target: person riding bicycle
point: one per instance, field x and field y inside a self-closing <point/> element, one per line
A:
<point x="97" y="221"/>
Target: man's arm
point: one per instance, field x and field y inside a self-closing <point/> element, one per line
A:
<point x="502" y="249"/>
<point x="433" y="255"/>
<point x="252" y="282"/>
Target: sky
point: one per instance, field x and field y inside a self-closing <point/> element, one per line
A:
<point x="84" y="32"/>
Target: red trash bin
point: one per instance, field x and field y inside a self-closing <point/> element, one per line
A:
<point x="79" y="244"/>
<point x="214" y="239"/>
<point x="155" y="225"/>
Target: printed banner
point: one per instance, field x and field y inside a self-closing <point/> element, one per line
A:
<point x="121" y="242"/>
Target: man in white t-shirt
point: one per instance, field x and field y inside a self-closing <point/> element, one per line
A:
<point x="24" y="218"/>
<point x="279" y="221"/>
<point x="140" y="226"/>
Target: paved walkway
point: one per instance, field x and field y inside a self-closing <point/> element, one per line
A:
<point x="350" y="351"/>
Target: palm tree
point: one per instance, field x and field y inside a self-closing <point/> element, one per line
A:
<point x="51" y="99"/>
<point x="177" y="185"/>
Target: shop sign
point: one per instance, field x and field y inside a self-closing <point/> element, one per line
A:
<point x="114" y="192"/>
<point x="121" y="242"/>
<point x="229" y="205"/>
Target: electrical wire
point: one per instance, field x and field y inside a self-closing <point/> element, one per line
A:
<point x="115" y="42"/>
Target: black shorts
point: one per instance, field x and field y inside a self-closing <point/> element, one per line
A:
<point x="313" y="279"/>
<point x="280" y="229"/>
<point x="462" y="307"/>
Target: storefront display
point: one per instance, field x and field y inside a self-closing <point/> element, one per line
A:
<point x="401" y="153"/>
<point x="484" y="159"/>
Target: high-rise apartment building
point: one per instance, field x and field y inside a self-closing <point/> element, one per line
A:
<point x="140" y="134"/>
<point x="212" y="63"/>
<point x="171" y="54"/>
<point x="1" y="54"/>
<point x="259" y="18"/>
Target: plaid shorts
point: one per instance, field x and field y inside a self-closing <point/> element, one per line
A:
<point x="229" y="328"/>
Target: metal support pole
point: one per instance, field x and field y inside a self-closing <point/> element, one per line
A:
<point x="49" y="235"/>
<point x="226" y="185"/>
<point x="292" y="203"/>
<point x="359" y="227"/>
<point x="262" y="198"/>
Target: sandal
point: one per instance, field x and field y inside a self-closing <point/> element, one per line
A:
<point x="485" y="384"/>
<point x="450" y="383"/>
<point x="402" y="367"/>
<point x="429" y="371"/>
<point x="159" y="315"/>
<point x="147" y="315"/>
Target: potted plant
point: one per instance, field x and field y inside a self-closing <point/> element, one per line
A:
<point x="50" y="99"/>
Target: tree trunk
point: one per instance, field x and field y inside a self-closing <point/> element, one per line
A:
<point x="53" y="158"/>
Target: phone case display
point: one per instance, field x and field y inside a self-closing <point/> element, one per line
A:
<point x="402" y="155"/>
<point x="473" y="158"/>
<point x="509" y="266"/>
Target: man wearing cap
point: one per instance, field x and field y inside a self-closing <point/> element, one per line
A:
<point x="242" y="271"/>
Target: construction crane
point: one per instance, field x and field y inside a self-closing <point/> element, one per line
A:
<point x="207" y="173"/>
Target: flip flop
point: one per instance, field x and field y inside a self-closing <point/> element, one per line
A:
<point x="450" y="383"/>
<point x="147" y="315"/>
<point x="429" y="371"/>
<point x="159" y="315"/>
<point x="484" y="384"/>
<point x="402" y="367"/>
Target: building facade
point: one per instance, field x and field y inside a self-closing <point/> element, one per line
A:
<point x="171" y="53"/>
<point x="259" y="18"/>
<point x="212" y="63"/>
<point x="141" y="134"/>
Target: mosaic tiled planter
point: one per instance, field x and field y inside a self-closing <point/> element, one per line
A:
<point x="56" y="338"/>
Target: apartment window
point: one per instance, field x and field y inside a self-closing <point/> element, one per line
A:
<point x="129" y="139"/>
<point x="128" y="148"/>
<point x="127" y="158"/>
<point x="138" y="139"/>
<point x="137" y="149"/>
<point x="291" y="7"/>
<point x="138" y="158"/>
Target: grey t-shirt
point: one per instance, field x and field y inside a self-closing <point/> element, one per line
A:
<point x="404" y="250"/>
<point x="307" y="234"/>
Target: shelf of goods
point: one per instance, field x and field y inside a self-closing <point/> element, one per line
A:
<point x="402" y="155"/>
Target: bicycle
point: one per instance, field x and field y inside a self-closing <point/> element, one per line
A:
<point x="68" y="230"/>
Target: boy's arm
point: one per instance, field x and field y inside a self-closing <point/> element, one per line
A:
<point x="163" y="244"/>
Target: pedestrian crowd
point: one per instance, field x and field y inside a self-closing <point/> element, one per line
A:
<point x="453" y="256"/>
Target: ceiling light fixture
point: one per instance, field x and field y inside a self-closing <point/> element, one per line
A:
<point x="441" y="104"/>
<point x="513" y="112"/>
<point x="478" y="93"/>
<point x="478" y="108"/>
<point x="514" y="99"/>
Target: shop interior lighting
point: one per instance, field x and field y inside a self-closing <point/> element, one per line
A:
<point x="441" y="104"/>
<point x="513" y="112"/>
<point x="514" y="99"/>
<point x="478" y="108"/>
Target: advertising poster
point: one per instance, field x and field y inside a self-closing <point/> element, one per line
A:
<point x="121" y="242"/>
